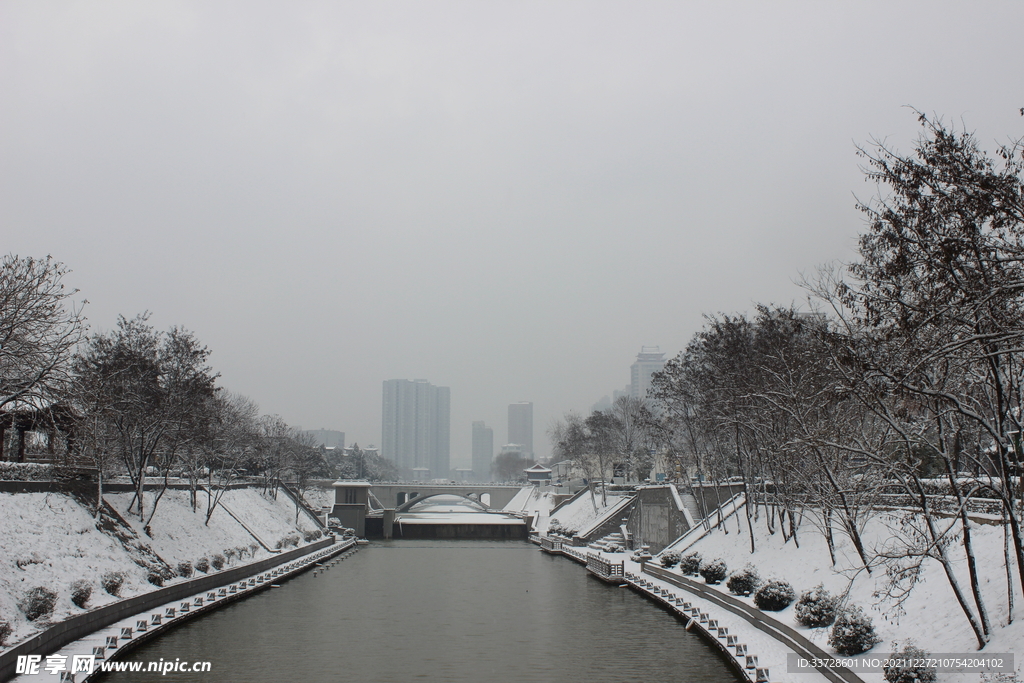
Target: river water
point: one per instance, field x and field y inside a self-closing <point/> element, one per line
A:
<point x="452" y="611"/>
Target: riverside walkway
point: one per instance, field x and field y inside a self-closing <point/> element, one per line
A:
<point x="711" y="613"/>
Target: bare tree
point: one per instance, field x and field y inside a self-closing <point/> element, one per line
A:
<point x="40" y="327"/>
<point x="153" y="392"/>
<point x="234" y="437"/>
<point x="572" y="442"/>
<point x="635" y="435"/>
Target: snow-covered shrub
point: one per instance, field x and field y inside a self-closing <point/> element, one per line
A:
<point x="37" y="603"/>
<point x="155" y="578"/>
<point x="185" y="569"/>
<point x="218" y="561"/>
<point x="908" y="674"/>
<point x="5" y="631"/>
<point x="690" y="564"/>
<point x="81" y="591"/>
<point x="310" y="536"/>
<point x="112" y="582"/>
<point x="288" y="541"/>
<point x="852" y="632"/>
<point x="242" y="550"/>
<point x="669" y="560"/>
<point x="816" y="607"/>
<point x="230" y="554"/>
<point x="333" y="521"/>
<point x="774" y="595"/>
<point x="714" y="570"/>
<point x="642" y="555"/>
<point x="203" y="564"/>
<point x="25" y="471"/>
<point x="745" y="581"/>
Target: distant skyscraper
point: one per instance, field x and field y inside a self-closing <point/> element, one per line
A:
<point x="328" y="437"/>
<point x="483" y="451"/>
<point x="520" y="426"/>
<point x="416" y="426"/>
<point x="649" y="361"/>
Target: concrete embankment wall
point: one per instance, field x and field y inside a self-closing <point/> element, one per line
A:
<point x="656" y="520"/>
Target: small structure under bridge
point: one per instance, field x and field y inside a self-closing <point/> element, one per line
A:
<point x="374" y="510"/>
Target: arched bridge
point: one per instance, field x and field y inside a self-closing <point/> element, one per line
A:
<point x="407" y="505"/>
<point x="404" y="495"/>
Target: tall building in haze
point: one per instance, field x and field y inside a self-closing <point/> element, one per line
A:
<point x="483" y="451"/>
<point x="649" y="361"/>
<point x="331" y="438"/>
<point x="520" y="426"/>
<point x="416" y="428"/>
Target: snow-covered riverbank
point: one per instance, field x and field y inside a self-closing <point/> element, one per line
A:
<point x="51" y="540"/>
<point x="929" y="617"/>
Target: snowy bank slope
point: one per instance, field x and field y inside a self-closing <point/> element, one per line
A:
<point x="932" y="618"/>
<point x="530" y="500"/>
<point x="584" y="511"/>
<point x="179" y="534"/>
<point x="52" y="540"/>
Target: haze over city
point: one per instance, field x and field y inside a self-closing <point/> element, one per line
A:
<point x="507" y="199"/>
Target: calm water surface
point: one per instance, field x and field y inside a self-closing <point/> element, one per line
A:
<point x="453" y="611"/>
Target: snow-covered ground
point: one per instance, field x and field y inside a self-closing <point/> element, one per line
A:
<point x="932" y="617"/>
<point x="581" y="512"/>
<point x="319" y="496"/>
<point x="535" y="502"/>
<point x="51" y="540"/>
<point x="190" y="538"/>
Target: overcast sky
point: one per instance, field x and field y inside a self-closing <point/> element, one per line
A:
<point x="507" y="198"/>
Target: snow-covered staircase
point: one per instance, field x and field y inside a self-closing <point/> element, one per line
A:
<point x="690" y="503"/>
<point x="611" y="540"/>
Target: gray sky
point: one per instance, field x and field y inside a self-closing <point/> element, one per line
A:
<point x="507" y="198"/>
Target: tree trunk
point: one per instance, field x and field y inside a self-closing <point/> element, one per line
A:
<point x="828" y="537"/>
<point x="706" y="517"/>
<point x="972" y="565"/>
<point x="750" y="525"/>
<point x="99" y="492"/>
<point x="943" y="558"/>
<point x="850" y="519"/>
<point x="1009" y="571"/>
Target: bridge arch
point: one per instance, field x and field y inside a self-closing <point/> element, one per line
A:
<point x="404" y="507"/>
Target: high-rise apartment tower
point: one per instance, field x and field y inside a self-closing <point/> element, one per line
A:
<point x="649" y="361"/>
<point x="520" y="426"/>
<point x="483" y="451"/>
<point x="416" y="428"/>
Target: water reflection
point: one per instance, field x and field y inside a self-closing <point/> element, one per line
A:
<point x="433" y="610"/>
